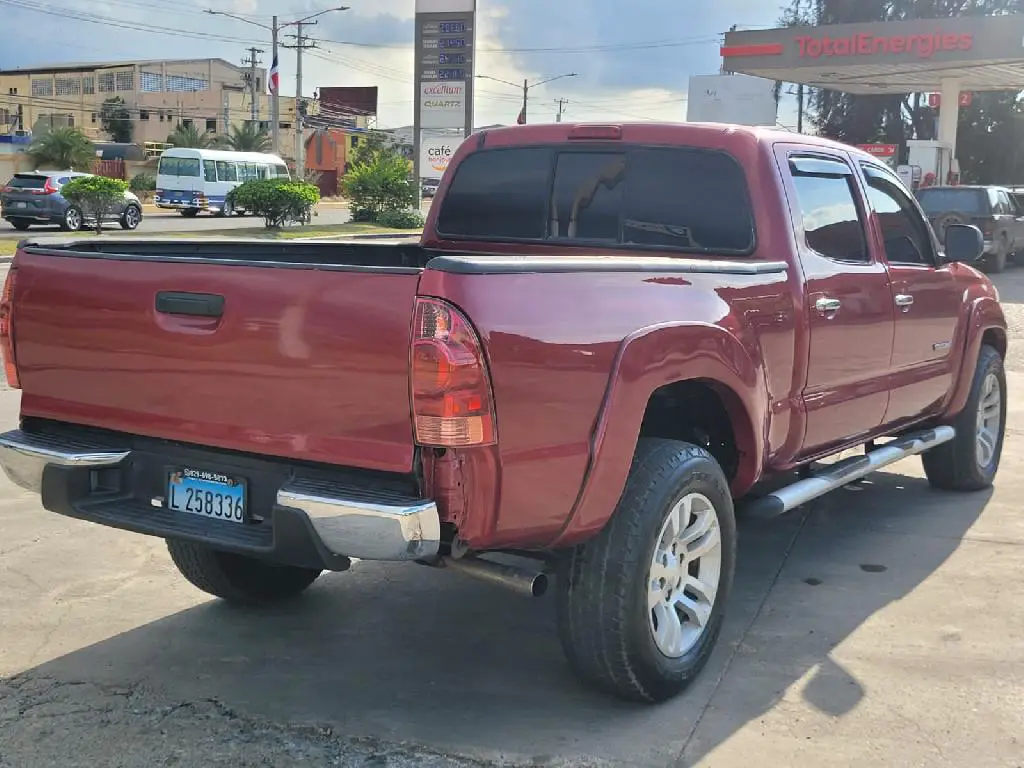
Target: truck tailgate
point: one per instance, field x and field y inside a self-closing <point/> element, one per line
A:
<point x="288" y="360"/>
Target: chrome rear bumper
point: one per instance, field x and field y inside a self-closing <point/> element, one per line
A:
<point x="367" y="524"/>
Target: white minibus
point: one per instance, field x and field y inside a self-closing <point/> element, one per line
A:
<point x="193" y="180"/>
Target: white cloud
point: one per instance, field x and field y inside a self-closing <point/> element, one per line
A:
<point x="619" y="79"/>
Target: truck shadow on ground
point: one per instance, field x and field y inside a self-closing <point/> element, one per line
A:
<point x="409" y="654"/>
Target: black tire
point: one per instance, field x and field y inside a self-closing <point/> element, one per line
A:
<point x="996" y="261"/>
<point x="189" y="213"/>
<point x="236" y="578"/>
<point x="226" y="210"/>
<point x="604" y="621"/>
<point x="954" y="466"/>
<point x="131" y="218"/>
<point x="72" y="220"/>
<point x="20" y="225"/>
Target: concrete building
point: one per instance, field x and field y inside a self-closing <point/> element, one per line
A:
<point x="211" y="94"/>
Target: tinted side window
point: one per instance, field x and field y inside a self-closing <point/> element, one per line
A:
<point x="226" y="171"/>
<point x="168" y="166"/>
<point x="903" y="230"/>
<point x="687" y="198"/>
<point x="500" y="193"/>
<point x="831" y="221"/>
<point x="209" y="170"/>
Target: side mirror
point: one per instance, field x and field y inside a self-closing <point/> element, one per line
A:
<point x="963" y="243"/>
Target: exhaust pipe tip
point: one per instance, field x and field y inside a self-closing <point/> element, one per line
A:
<point x="525" y="582"/>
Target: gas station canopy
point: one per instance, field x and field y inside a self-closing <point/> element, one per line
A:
<point x="984" y="53"/>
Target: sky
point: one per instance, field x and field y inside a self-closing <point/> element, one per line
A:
<point x="632" y="59"/>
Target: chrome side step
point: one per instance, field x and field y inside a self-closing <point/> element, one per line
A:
<point x="846" y="471"/>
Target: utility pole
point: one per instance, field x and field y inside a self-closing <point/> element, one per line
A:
<point x="275" y="103"/>
<point x="254" y="92"/>
<point x="561" y="109"/>
<point x="526" y="86"/>
<point x="275" y="95"/>
<point x="301" y="43"/>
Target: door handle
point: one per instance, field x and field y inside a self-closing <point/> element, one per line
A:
<point x="185" y="303"/>
<point x="824" y="305"/>
<point x="904" y="300"/>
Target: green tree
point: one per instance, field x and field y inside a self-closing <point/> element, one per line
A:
<point x="116" y="120"/>
<point x="378" y="181"/>
<point x="63" y="148"/>
<point x="98" y="198"/>
<point x="249" y="138"/>
<point x="278" y="201"/>
<point x="187" y="135"/>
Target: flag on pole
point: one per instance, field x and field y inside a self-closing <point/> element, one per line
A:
<point x="274" y="81"/>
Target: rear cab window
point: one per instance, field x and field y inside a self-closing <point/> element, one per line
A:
<point x="663" y="198"/>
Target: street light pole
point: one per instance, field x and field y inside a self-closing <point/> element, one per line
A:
<point x="526" y="86"/>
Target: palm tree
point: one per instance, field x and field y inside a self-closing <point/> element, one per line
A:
<point x="249" y="138"/>
<point x="63" y="148"/>
<point x="189" y="136"/>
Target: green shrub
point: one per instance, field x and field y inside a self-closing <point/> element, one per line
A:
<point x="378" y="185"/>
<point x="97" y="197"/>
<point x="278" y="201"/>
<point x="142" y="182"/>
<point x="401" y="219"/>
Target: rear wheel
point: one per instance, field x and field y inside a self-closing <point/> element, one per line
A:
<point x="236" y="578"/>
<point x="640" y="606"/>
<point x="996" y="261"/>
<point x="131" y="218"/>
<point x="189" y="213"/>
<point x="226" y="209"/>
<point x="72" y="220"/>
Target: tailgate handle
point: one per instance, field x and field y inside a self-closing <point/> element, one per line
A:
<point x="184" y="303"/>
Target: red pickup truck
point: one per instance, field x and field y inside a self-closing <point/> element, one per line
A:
<point x="605" y="336"/>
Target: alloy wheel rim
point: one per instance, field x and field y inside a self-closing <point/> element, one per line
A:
<point x="74" y="221"/>
<point x="684" y="575"/>
<point x="990" y="408"/>
<point x="132" y="217"/>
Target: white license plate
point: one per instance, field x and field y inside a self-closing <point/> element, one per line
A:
<point x="21" y="205"/>
<point x="207" y="494"/>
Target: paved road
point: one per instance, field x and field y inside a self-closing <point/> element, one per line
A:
<point x="883" y="625"/>
<point x="163" y="221"/>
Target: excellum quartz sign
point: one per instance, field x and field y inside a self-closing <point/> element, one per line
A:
<point x="444" y="71"/>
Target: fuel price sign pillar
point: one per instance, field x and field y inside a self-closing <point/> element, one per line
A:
<point x="444" y="71"/>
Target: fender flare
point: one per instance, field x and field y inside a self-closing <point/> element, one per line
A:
<point x="647" y="360"/>
<point x="985" y="314"/>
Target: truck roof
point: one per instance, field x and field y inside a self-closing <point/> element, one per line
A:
<point x="695" y="134"/>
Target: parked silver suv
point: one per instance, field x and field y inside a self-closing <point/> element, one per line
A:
<point x="34" y="198"/>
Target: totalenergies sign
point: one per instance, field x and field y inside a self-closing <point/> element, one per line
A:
<point x="924" y="46"/>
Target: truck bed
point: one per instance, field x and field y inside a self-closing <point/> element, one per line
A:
<point x="282" y="349"/>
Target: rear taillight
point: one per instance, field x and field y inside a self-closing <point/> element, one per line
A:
<point x="7" y="330"/>
<point x="451" y="390"/>
<point x="48" y="188"/>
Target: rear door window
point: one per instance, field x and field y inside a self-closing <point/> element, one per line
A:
<point x="690" y="199"/>
<point x="188" y="166"/>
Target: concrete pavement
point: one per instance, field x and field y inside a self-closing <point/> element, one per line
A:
<point x="883" y="625"/>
